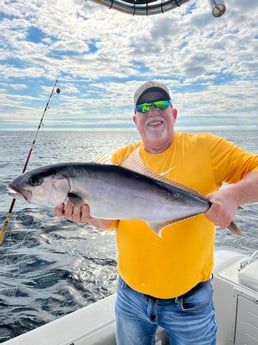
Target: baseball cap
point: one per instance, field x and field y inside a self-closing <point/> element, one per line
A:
<point x="151" y="85"/>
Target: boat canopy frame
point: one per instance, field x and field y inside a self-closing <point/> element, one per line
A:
<point x="141" y="7"/>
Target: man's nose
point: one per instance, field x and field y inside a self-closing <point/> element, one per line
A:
<point x="153" y="110"/>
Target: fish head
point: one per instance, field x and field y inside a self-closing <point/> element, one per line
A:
<point x="48" y="189"/>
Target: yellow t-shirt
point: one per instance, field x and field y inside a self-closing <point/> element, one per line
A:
<point x="169" y="266"/>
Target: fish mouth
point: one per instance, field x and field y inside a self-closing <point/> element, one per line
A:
<point x="16" y="193"/>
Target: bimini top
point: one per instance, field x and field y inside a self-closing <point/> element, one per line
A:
<point x="141" y="7"/>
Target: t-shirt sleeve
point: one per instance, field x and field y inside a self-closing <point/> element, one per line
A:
<point x="230" y="162"/>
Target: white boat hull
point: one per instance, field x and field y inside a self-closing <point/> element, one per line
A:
<point x="236" y="311"/>
<point x="236" y="300"/>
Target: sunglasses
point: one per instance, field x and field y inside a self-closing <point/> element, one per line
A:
<point x="158" y="105"/>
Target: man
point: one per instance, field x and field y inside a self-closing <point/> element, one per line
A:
<point x="166" y="281"/>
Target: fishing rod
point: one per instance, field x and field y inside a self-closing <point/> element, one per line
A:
<point x="9" y="214"/>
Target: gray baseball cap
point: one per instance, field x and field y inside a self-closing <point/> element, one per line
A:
<point x="151" y="85"/>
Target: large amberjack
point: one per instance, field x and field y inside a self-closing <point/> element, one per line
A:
<point x="112" y="192"/>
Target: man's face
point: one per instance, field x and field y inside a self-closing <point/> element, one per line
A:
<point x="156" y="127"/>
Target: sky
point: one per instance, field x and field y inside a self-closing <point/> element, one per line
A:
<point x="99" y="56"/>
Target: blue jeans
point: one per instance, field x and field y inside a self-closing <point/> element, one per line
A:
<point x="187" y="320"/>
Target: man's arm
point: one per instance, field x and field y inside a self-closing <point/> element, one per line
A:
<point x="81" y="215"/>
<point x="226" y="201"/>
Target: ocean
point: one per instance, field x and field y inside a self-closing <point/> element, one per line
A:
<point x="50" y="266"/>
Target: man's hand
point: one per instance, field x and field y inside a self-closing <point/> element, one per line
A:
<point x="226" y="201"/>
<point x="224" y="207"/>
<point x="77" y="214"/>
<point x="80" y="215"/>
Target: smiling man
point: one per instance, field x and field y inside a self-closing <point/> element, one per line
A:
<point x="153" y="110"/>
<point x="166" y="281"/>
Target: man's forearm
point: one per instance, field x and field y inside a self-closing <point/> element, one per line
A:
<point x="246" y="190"/>
<point x="226" y="201"/>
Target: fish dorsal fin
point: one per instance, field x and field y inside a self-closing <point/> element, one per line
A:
<point x="103" y="160"/>
<point x="135" y="163"/>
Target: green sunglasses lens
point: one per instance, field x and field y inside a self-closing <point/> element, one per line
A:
<point x="143" y="107"/>
<point x="158" y="105"/>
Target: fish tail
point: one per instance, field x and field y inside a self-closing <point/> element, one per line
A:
<point x="235" y="229"/>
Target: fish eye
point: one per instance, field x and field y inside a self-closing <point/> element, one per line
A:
<point x="35" y="180"/>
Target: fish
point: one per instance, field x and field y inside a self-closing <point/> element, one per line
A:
<point x="112" y="192"/>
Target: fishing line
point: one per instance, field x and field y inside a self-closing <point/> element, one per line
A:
<point x="13" y="275"/>
<point x="16" y="257"/>
<point x="9" y="214"/>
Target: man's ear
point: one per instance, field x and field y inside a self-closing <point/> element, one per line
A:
<point x="135" y="119"/>
<point x="174" y="113"/>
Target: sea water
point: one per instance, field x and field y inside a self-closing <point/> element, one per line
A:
<point x="50" y="266"/>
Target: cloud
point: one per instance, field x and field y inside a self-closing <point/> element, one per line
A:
<point x="100" y="56"/>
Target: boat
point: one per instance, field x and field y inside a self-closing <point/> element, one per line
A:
<point x="235" y="281"/>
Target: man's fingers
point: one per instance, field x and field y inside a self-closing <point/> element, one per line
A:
<point x="85" y="214"/>
<point x="59" y="211"/>
<point x="77" y="214"/>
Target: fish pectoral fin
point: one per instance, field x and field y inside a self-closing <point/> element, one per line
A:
<point x="75" y="199"/>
